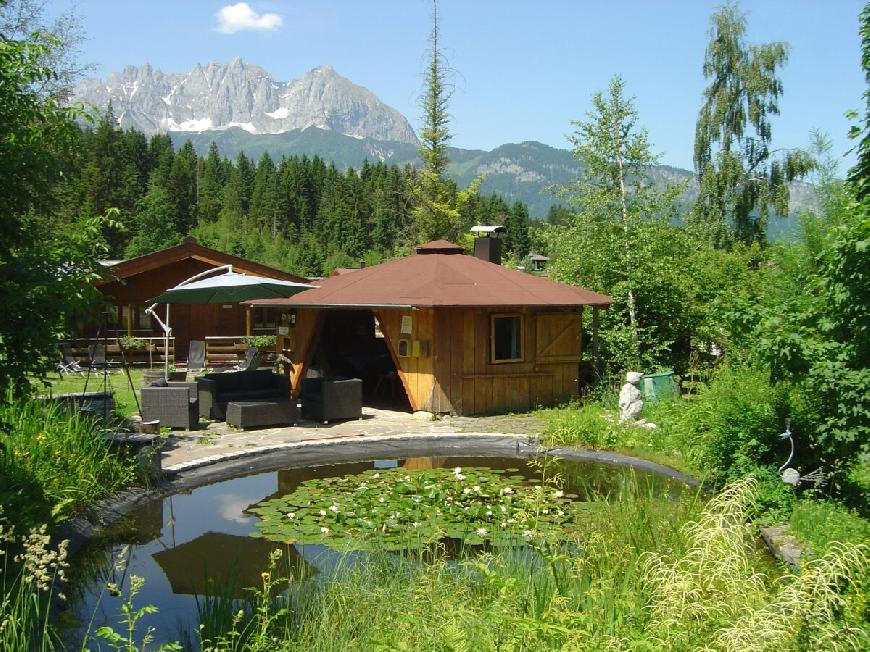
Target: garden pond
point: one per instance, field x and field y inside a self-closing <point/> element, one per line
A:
<point x="217" y="539"/>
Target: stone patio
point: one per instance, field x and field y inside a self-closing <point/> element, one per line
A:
<point x="218" y="441"/>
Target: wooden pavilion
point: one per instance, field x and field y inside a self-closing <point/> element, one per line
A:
<point x="130" y="284"/>
<point x="445" y="331"/>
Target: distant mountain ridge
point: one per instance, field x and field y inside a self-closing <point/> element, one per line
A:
<point x="242" y="109"/>
<point x="215" y="97"/>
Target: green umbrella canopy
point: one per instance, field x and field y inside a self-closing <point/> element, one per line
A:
<point x="231" y="287"/>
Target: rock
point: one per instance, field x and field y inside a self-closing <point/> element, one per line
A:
<point x="630" y="402"/>
<point x="422" y="415"/>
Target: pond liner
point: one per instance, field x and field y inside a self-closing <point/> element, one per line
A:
<point x="319" y="452"/>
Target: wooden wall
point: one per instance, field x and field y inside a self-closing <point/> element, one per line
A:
<point x="447" y="367"/>
<point x="469" y="383"/>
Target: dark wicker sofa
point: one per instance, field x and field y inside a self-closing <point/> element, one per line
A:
<point x="216" y="390"/>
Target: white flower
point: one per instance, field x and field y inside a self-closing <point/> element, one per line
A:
<point x="502" y="509"/>
<point x="322" y="512"/>
<point x="381" y="499"/>
<point x="333" y="508"/>
<point x="559" y="494"/>
<point x="560" y="513"/>
<point x="511" y="521"/>
<point x="459" y="476"/>
<point x="507" y="490"/>
<point x="376" y="476"/>
<point x="546" y="511"/>
<point x="324" y="530"/>
<point x="527" y="534"/>
<point x="476" y="488"/>
<point x="481" y="532"/>
<point x="466" y="491"/>
<point x="503" y="525"/>
<point x="489" y="512"/>
<point x="457" y="470"/>
<point x="415" y="524"/>
<point x="291" y="515"/>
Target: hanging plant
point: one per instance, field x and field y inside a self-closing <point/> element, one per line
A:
<point x="399" y="509"/>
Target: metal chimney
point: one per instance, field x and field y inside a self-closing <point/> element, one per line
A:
<point x="487" y="244"/>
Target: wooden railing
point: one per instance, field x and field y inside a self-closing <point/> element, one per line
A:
<point x="152" y="354"/>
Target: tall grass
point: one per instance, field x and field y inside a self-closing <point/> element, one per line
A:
<point x="54" y="462"/>
<point x="649" y="574"/>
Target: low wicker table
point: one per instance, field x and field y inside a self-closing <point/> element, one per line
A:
<point x="253" y="414"/>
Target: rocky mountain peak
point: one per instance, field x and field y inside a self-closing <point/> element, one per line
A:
<point x="216" y="97"/>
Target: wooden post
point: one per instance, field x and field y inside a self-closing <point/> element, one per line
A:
<point x="596" y="359"/>
<point x="130" y="319"/>
<point x="248" y="311"/>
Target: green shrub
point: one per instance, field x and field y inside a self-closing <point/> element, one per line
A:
<point x="733" y="425"/>
<point x="262" y="342"/>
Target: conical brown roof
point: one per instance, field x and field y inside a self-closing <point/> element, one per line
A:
<point x="439" y="279"/>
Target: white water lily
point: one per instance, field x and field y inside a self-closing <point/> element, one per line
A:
<point x="476" y="488"/>
<point x="322" y="512"/>
<point x="324" y="530"/>
<point x="457" y="470"/>
<point x="334" y="508"/>
<point x="466" y="491"/>
<point x="376" y="476"/>
<point x="507" y="490"/>
<point x="481" y="532"/>
<point x="291" y="515"/>
<point x="381" y="499"/>
<point x="459" y="477"/>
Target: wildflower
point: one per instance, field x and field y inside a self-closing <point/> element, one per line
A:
<point x="322" y="512"/>
<point x="459" y="477"/>
<point x="457" y="470"/>
<point x="334" y="508"/>
<point x="324" y="530"/>
<point x="481" y="532"/>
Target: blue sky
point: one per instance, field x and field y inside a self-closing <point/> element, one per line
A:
<point x="523" y="69"/>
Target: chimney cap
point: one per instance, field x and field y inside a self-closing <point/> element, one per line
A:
<point x="487" y="229"/>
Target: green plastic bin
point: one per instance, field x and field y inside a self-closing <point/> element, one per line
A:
<point x="660" y="385"/>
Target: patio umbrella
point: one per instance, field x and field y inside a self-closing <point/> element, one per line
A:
<point x="228" y="287"/>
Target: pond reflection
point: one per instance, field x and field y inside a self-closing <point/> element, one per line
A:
<point x="199" y="543"/>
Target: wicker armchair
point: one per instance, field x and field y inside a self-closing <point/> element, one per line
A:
<point x="175" y="406"/>
<point x="327" y="399"/>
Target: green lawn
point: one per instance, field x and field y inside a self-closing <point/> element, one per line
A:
<point x="115" y="381"/>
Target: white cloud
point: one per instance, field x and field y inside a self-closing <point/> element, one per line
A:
<point x="240" y="16"/>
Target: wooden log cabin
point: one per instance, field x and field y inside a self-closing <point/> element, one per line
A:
<point x="130" y="284"/>
<point x="440" y="331"/>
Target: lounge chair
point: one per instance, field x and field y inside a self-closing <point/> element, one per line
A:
<point x="97" y="355"/>
<point x="196" y="356"/>
<point x="251" y="361"/>
<point x="68" y="364"/>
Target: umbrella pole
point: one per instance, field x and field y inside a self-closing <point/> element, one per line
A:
<point x="166" y="332"/>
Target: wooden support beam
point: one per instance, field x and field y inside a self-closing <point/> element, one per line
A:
<point x="596" y="358"/>
<point x="248" y="315"/>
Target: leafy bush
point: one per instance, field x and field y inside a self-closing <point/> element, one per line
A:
<point x="733" y="425"/>
<point x="262" y="342"/>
